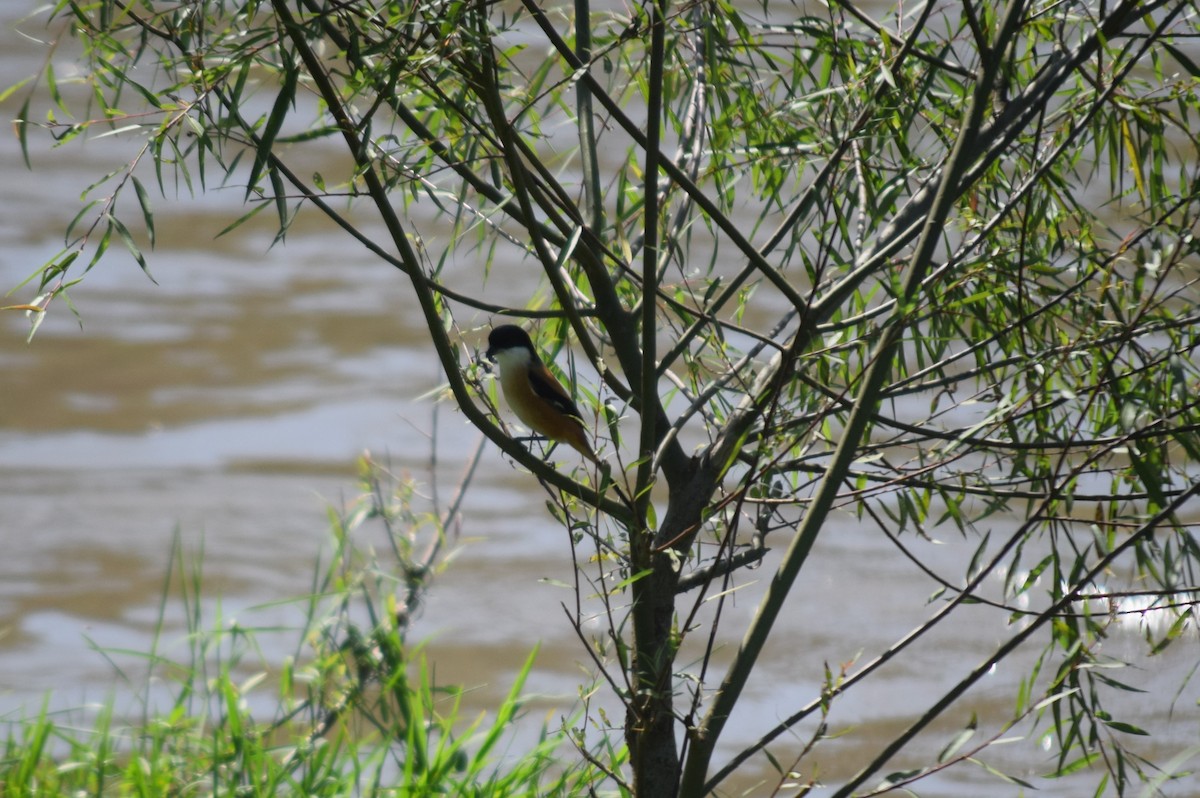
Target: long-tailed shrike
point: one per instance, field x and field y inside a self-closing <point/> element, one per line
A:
<point x="533" y="393"/>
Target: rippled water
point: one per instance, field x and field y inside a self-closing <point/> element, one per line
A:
<point x="228" y="403"/>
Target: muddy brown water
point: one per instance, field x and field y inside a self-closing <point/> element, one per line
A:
<point x="227" y="404"/>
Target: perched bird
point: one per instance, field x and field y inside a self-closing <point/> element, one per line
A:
<point x="533" y="393"/>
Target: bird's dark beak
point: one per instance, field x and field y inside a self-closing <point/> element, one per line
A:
<point x="490" y="354"/>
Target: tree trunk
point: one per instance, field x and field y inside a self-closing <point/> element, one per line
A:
<point x="650" y="719"/>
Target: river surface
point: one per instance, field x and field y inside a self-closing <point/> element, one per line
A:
<point x="225" y="407"/>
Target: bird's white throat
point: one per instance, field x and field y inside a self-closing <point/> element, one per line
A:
<point x="512" y="359"/>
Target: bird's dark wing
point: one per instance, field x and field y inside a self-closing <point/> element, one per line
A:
<point x="548" y="388"/>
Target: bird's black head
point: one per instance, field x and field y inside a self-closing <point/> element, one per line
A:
<point x="507" y="336"/>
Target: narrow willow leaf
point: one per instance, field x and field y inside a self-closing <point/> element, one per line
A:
<point x="977" y="558"/>
<point x="1073" y="767"/>
<point x="1002" y="775"/>
<point x="899" y="776"/>
<point x="35" y="321"/>
<point x="66" y="298"/>
<point x="147" y="95"/>
<point x="1054" y="699"/>
<point x="626" y="582"/>
<point x="130" y="245"/>
<point x="202" y="147"/>
<point x="958" y="741"/>
<point x="1128" y="728"/>
<point x="101" y="248"/>
<point x="52" y="87"/>
<point x="47" y="271"/>
<point x="281" y="208"/>
<point x="1177" y="628"/>
<point x="1184" y="60"/>
<point x="147" y="213"/>
<point x="1135" y="162"/>
<point x="245" y="217"/>
<point x="262" y="153"/>
<point x="1111" y="682"/>
<point x="239" y="85"/>
<point x="21" y="124"/>
<point x="117" y="131"/>
<point x="4" y="95"/>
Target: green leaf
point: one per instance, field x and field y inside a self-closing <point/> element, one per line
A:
<point x="279" y="190"/>
<point x="130" y="244"/>
<point x="1073" y="767"/>
<point x="629" y="581"/>
<point x="52" y="87"/>
<point x="245" y="217"/>
<point x="4" y="95"/>
<point x="147" y="213"/>
<point x="1111" y="682"/>
<point x="35" y="320"/>
<point x="1054" y="699"/>
<point x="21" y="123"/>
<point x="147" y="95"/>
<point x="1001" y="774"/>
<point x="958" y="741"/>
<point x="266" y="140"/>
<point x="977" y="558"/>
<point x="101" y="248"/>
<point x="900" y="776"/>
<point x="1185" y="61"/>
<point x="1128" y="728"/>
<point x="1177" y="628"/>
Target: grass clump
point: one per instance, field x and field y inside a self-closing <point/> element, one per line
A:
<point x="354" y="711"/>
